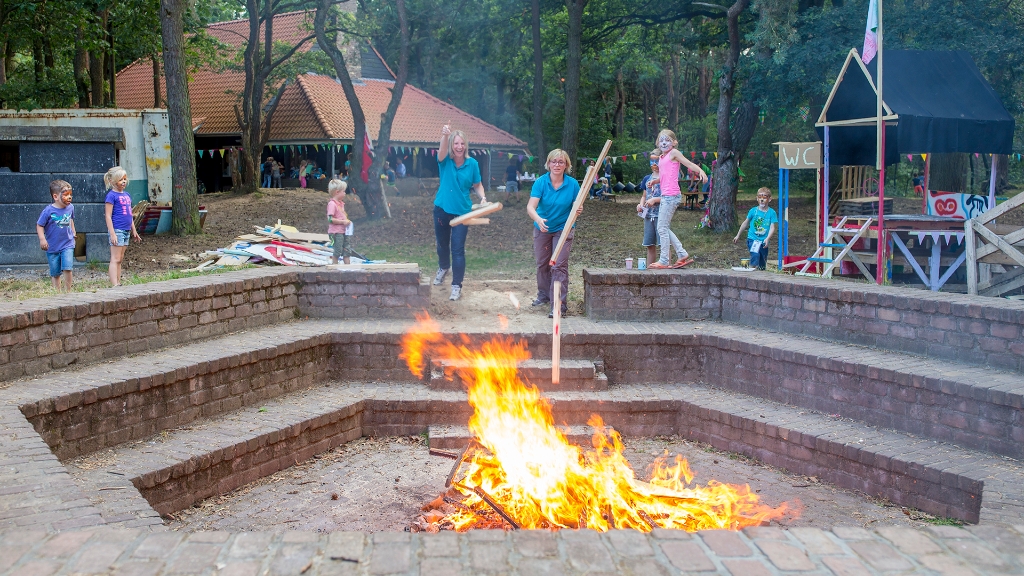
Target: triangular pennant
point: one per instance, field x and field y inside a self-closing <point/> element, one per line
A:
<point x="777" y="154"/>
<point x="210" y="152"/>
<point x="693" y="154"/>
<point x="910" y="157"/>
<point x="716" y="155"/>
<point x="615" y="159"/>
<point x="200" y="153"/>
<point x="704" y="154"/>
<point x="947" y="235"/>
<point x="975" y="154"/>
<point x="923" y="156"/>
<point x="959" y="237"/>
<point x="935" y="237"/>
<point x="634" y="156"/>
<point x="920" y="235"/>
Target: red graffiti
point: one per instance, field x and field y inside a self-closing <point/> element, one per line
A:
<point x="946" y="207"/>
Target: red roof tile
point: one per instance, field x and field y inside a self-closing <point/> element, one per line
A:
<point x="313" y="108"/>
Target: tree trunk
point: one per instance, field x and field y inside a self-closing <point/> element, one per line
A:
<point x="3" y="64"/>
<point x="573" y="63"/>
<point x="80" y="66"/>
<point x="499" y="111"/>
<point x="156" y="80"/>
<point x="37" y="60"/>
<point x="96" y="78"/>
<point x="184" y="201"/>
<point x="722" y="209"/>
<point x="673" y="98"/>
<point x="111" y="74"/>
<point x="234" y="164"/>
<point x="538" y="79"/>
<point x="618" y="119"/>
<point x="704" y="77"/>
<point x="948" y="172"/>
<point x="1002" y="172"/>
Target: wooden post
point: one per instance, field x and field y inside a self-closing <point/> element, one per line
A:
<point x="992" y="185"/>
<point x="972" y="259"/>
<point x="927" y="177"/>
<point x="556" y="334"/>
<point x="588" y="181"/>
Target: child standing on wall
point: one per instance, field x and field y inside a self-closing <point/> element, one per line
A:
<point x="120" y="223"/>
<point x="669" y="164"/>
<point x="56" y="230"/>
<point x="337" y="221"/>
<point x="762" y="221"/>
<point x="650" y="200"/>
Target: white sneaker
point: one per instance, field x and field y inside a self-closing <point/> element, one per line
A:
<point x="439" y="277"/>
<point x="456" y="293"/>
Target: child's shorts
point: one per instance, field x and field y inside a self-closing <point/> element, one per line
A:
<point x="511" y="186"/>
<point x="61" y="261"/>
<point x="758" y="259"/>
<point x="340" y="244"/>
<point x="651" y="237"/>
<point x="122" y="237"/>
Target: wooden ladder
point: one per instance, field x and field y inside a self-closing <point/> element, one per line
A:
<point x="835" y="239"/>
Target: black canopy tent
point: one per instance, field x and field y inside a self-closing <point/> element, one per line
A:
<point x="934" y="102"/>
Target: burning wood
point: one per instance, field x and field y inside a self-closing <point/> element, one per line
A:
<point x="520" y="470"/>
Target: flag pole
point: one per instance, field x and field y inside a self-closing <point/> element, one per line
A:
<point x="880" y="272"/>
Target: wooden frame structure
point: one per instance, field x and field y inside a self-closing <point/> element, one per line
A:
<point x="999" y="246"/>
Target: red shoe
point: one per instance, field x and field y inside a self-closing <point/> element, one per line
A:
<point x="659" y="266"/>
<point x="683" y="262"/>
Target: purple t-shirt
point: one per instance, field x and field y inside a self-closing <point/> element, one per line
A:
<point x="122" y="213"/>
<point x="56" y="223"/>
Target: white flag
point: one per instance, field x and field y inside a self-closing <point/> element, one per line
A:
<point x="871" y="33"/>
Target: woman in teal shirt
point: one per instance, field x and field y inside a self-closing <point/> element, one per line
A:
<point x="459" y="173"/>
<point x="551" y="201"/>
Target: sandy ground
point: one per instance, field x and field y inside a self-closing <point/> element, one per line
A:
<point x="381" y="483"/>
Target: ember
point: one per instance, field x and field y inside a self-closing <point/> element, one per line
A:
<point x="520" y="471"/>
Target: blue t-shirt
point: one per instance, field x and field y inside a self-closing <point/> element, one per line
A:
<point x="555" y="205"/>
<point x="121" y="216"/>
<point x="56" y="223"/>
<point x="760" y="223"/>
<point x="453" y="191"/>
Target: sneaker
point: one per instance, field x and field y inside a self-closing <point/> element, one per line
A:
<point x="658" y="266"/>
<point x="456" y="293"/>
<point x="539" y="302"/>
<point x="551" y="313"/>
<point x="439" y="277"/>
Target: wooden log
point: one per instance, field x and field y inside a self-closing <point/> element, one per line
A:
<point x="588" y="181"/>
<point x="556" y="336"/>
<point x="496" y="507"/>
<point x="481" y="211"/>
<point x="477" y="221"/>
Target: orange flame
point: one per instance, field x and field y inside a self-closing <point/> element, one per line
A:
<point x="528" y="467"/>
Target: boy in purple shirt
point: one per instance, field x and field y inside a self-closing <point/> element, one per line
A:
<point x="56" y="230"/>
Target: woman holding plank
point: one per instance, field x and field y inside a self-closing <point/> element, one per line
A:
<point x="459" y="173"/>
<point x="550" y="203"/>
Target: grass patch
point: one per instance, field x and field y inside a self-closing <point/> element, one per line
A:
<point x="18" y="289"/>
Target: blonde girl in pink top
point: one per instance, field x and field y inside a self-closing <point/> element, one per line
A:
<point x="669" y="165"/>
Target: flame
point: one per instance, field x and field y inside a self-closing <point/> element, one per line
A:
<point x="525" y="464"/>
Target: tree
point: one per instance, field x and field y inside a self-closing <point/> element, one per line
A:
<point x="371" y="195"/>
<point x="538" y="78"/>
<point x="184" y="203"/>
<point x="573" y="60"/>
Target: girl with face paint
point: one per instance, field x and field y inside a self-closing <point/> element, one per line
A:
<point x="669" y="163"/>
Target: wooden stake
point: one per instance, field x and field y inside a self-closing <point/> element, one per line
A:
<point x="588" y="181"/>
<point x="496" y="507"/>
<point x="556" y="336"/>
<point x="481" y="211"/>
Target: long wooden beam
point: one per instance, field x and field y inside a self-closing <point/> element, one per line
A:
<point x="588" y="181"/>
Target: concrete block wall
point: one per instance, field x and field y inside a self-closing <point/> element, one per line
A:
<point x="956" y="327"/>
<point x="24" y="194"/>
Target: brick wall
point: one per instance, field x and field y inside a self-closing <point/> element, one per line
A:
<point x="359" y="294"/>
<point x="975" y="330"/>
<point x="37" y="336"/>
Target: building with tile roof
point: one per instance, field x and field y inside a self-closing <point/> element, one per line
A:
<point x="313" y="117"/>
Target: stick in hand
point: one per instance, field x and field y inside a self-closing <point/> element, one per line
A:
<point x="556" y="333"/>
<point x="588" y="181"/>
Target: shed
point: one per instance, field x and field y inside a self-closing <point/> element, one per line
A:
<point x="934" y="102"/>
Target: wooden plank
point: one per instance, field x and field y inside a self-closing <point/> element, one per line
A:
<point x="1001" y="209"/>
<point x="481" y="211"/>
<point x="1002" y="244"/>
<point x="556" y="335"/>
<point x="1015" y="238"/>
<point x="1004" y="287"/>
<point x="1005" y="276"/>
<point x="588" y="182"/>
<point x="972" y="258"/>
<point x="477" y="222"/>
<point x="305" y="236"/>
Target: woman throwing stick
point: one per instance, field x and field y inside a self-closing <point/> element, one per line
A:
<point x="458" y="174"/>
<point x="668" y="164"/>
<point x="551" y="201"/>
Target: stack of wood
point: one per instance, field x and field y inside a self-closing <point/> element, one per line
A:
<point x="863" y="206"/>
<point x="283" y="245"/>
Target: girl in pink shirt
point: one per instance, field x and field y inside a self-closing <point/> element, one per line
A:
<point x="669" y="165"/>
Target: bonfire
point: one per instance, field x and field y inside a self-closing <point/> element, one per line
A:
<point x="520" y="471"/>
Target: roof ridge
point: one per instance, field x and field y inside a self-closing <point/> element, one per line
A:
<point x="316" y="109"/>
<point x="460" y="110"/>
<point x="224" y="22"/>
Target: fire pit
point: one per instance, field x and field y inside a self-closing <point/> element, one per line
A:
<point x="520" y="471"/>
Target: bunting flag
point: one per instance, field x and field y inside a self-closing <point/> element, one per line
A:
<point x="924" y="156"/>
<point x="910" y="157"/>
<point x="200" y="153"/>
<point x="716" y="155"/>
<point x="776" y="154"/>
<point x="210" y="152"/>
<point x="761" y="115"/>
<point x="804" y="111"/>
<point x="693" y="154"/>
<point x="634" y="156"/>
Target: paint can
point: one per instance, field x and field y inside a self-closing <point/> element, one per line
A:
<point x="629" y="263"/>
<point x="641" y="263"/>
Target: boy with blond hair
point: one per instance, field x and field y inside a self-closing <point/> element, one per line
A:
<point x="763" y="222"/>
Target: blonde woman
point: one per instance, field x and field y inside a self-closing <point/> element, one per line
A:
<point x="459" y="175"/>
<point x="551" y="201"/>
<point x="120" y="223"/>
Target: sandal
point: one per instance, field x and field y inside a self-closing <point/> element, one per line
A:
<point x="683" y="262"/>
<point x="659" y="266"/>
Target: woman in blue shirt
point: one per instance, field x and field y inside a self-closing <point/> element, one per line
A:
<point x="458" y="175"/>
<point x="551" y="201"/>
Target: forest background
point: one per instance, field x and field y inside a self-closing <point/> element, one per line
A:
<point x="607" y="68"/>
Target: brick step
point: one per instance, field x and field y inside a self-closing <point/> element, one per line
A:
<point x="118" y="500"/>
<point x="177" y="468"/>
<point x="103" y="405"/>
<point x="457" y="437"/>
<point x="574" y="374"/>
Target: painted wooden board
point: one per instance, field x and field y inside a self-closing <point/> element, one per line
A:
<point x="305" y="236"/>
<point x="481" y="211"/>
<point x="268" y="253"/>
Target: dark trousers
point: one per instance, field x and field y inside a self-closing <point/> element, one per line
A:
<point x="451" y="244"/>
<point x="543" y="245"/>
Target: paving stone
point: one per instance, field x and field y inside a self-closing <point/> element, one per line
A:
<point x="541" y="567"/>
<point x="747" y="568"/>
<point x="815" y="541"/>
<point x="687" y="556"/>
<point x="845" y="566"/>
<point x="909" y="540"/>
<point x="725" y="544"/>
<point x="441" y="566"/>
<point x="447" y="544"/>
<point x="535" y="543"/>
<point x="586" y="551"/>
<point x="390" y="558"/>
<point x="629" y="543"/>
<point x="785" y="556"/>
<point x="880" y="556"/>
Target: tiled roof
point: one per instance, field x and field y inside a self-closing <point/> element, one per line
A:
<point x="313" y="108"/>
<point x="290" y="28"/>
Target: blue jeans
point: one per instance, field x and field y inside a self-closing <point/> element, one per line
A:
<point x="758" y="259"/>
<point x="451" y="244"/>
<point x="266" y="181"/>
<point x="61" y="261"/>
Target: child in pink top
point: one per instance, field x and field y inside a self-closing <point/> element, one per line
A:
<point x="337" y="220"/>
<point x="669" y="165"/>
